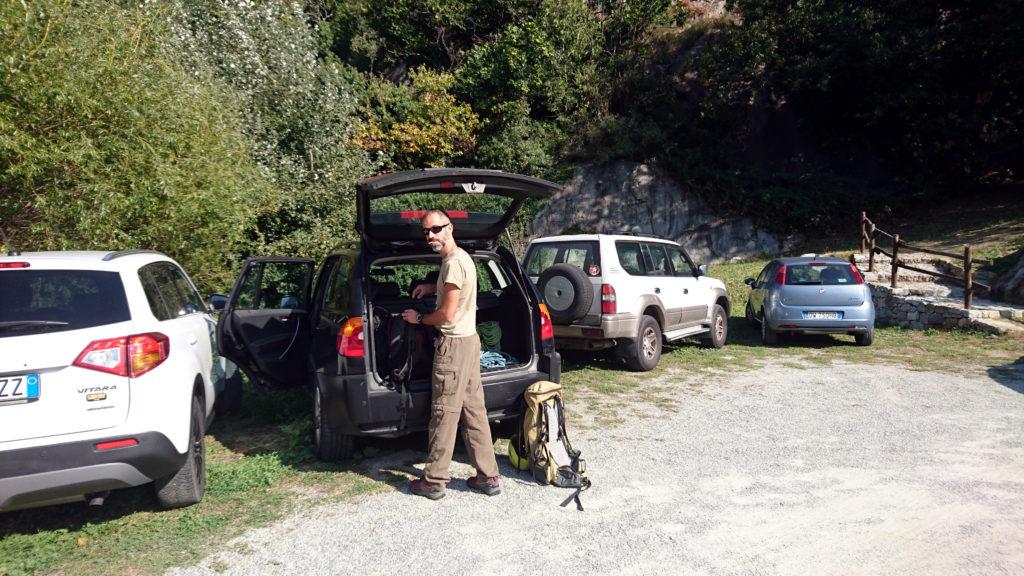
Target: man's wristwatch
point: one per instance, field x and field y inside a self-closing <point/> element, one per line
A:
<point x="419" y="318"/>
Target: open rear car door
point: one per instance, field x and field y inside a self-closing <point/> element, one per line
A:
<point x="265" y="326"/>
<point x="480" y="203"/>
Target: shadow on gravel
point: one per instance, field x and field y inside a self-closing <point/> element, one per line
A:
<point x="1009" y="375"/>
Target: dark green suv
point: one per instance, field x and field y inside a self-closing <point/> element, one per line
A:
<point x="337" y="334"/>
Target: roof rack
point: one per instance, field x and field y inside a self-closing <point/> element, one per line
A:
<point x="637" y="234"/>
<point x="121" y="253"/>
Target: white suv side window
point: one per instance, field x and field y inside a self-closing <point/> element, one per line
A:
<point x="658" y="260"/>
<point x="630" y="258"/>
<point x="679" y="262"/>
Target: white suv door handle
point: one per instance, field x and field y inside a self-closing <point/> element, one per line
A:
<point x="657" y="290"/>
<point x="192" y="340"/>
<point x="686" y="290"/>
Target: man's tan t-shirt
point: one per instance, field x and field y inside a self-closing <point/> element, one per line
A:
<point x="458" y="269"/>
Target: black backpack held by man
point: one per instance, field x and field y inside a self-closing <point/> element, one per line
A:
<point x="542" y="446"/>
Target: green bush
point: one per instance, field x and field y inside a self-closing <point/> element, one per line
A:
<point x="298" y="108"/>
<point x="106" y="142"/>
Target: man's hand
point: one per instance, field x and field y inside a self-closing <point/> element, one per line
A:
<point x="422" y="290"/>
<point x="411" y="316"/>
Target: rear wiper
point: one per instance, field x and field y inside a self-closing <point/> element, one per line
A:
<point x="15" y="325"/>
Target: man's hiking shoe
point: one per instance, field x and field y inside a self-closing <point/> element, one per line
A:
<point x="484" y="485"/>
<point x="421" y="487"/>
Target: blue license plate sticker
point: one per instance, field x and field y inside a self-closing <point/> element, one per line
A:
<point x="19" y="388"/>
<point x="32" y="385"/>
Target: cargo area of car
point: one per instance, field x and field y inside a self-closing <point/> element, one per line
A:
<point x="503" y="319"/>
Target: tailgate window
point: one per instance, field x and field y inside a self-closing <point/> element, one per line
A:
<point x="38" y="301"/>
<point x="819" y="273"/>
<point x="583" y="255"/>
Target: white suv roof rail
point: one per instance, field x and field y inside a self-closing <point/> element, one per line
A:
<point x="121" y="253"/>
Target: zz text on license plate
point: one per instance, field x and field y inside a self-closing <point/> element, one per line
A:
<point x="18" y="389"/>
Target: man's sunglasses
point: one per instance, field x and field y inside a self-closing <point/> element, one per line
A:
<point x="435" y="229"/>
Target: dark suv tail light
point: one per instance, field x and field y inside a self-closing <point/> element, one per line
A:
<point x="129" y="356"/>
<point x="350" y="338"/>
<point x="547" y="331"/>
<point x="780" y="275"/>
<point x="608" y="304"/>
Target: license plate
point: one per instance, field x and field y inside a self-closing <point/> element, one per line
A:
<point x="823" y="315"/>
<point x="18" y="389"/>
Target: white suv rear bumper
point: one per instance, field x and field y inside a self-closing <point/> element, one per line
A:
<point x="612" y="326"/>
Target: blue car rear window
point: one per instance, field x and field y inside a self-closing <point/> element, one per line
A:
<point x="823" y="274"/>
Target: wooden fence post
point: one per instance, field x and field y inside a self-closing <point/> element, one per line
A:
<point x="863" y="229"/>
<point x="871" y="255"/>
<point x="895" y="258"/>
<point x="968" y="277"/>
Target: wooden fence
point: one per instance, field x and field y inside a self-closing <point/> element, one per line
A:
<point x="869" y="234"/>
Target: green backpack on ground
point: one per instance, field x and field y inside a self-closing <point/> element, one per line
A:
<point x="542" y="446"/>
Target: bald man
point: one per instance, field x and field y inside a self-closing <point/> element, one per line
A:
<point x="457" y="390"/>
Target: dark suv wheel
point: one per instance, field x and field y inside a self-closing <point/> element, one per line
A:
<point x="329" y="443"/>
<point x="643" y="353"/>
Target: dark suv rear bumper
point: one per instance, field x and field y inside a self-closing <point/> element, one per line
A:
<point x="63" y="472"/>
<point x="353" y="406"/>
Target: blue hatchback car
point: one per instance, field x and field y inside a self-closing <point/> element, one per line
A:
<point x="824" y="295"/>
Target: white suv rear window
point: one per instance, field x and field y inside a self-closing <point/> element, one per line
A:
<point x="583" y="255"/>
<point x="38" y="301"/>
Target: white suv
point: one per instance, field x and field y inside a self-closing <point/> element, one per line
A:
<point x="108" y="377"/>
<point x="628" y="292"/>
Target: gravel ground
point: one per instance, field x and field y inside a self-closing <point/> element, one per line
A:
<point x="847" y="469"/>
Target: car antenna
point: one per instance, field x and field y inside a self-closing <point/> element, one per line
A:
<point x="7" y="244"/>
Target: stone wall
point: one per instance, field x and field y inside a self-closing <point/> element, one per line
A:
<point x="626" y="197"/>
<point x="900" y="307"/>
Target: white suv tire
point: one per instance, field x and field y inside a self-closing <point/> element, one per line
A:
<point x="719" y="328"/>
<point x="643" y="353"/>
<point x="188" y="485"/>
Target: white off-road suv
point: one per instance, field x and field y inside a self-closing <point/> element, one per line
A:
<point x="627" y="292"/>
<point x="108" y="378"/>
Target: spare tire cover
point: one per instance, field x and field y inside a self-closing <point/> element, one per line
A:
<point x="566" y="291"/>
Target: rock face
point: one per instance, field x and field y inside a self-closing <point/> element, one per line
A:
<point x="628" y="197"/>
<point x="1009" y="287"/>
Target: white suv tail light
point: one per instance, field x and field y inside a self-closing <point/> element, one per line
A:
<point x="608" y="304"/>
<point x="129" y="356"/>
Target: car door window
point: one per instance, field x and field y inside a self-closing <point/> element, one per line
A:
<point x="680" y="263"/>
<point x="160" y="308"/>
<point x="338" y="295"/>
<point x="630" y="258"/>
<point x="168" y="291"/>
<point x="657" y="259"/>
<point x="191" y="301"/>
<point x="273" y="286"/>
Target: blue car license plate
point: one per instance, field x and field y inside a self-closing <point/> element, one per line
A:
<point x="20" y="388"/>
<point x="823" y="315"/>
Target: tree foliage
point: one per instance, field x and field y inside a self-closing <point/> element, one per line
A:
<point x="106" y="142"/>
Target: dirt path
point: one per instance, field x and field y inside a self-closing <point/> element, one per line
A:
<point x="830" y="470"/>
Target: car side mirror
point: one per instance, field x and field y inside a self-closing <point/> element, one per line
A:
<point x="749" y="282"/>
<point x="702" y="270"/>
<point x="217" y="302"/>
